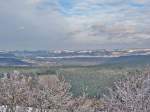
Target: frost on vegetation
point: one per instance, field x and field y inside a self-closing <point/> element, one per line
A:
<point x="21" y="92"/>
<point x="131" y="94"/>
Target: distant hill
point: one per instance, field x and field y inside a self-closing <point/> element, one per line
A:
<point x="7" y="54"/>
<point x="131" y="60"/>
<point x="83" y="57"/>
<point x="12" y="62"/>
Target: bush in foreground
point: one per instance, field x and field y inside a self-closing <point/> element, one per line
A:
<point x="131" y="94"/>
<point x="24" y="93"/>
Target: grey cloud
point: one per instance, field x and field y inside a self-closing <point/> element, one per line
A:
<point x="24" y="26"/>
<point x="125" y="23"/>
<point x="39" y="24"/>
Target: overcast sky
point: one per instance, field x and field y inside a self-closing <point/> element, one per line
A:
<point x="74" y="24"/>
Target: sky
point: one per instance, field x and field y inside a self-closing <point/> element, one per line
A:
<point x="74" y="24"/>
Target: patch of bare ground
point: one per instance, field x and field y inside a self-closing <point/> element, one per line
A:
<point x="48" y="80"/>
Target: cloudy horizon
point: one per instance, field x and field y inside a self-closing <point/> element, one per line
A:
<point x="74" y="24"/>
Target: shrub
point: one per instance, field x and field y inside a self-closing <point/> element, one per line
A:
<point x="24" y="90"/>
<point x="131" y="94"/>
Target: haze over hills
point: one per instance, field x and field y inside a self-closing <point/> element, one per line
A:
<point x="68" y="57"/>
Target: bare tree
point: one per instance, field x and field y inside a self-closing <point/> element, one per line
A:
<point x="24" y="91"/>
<point x="131" y="94"/>
<point x="12" y="91"/>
